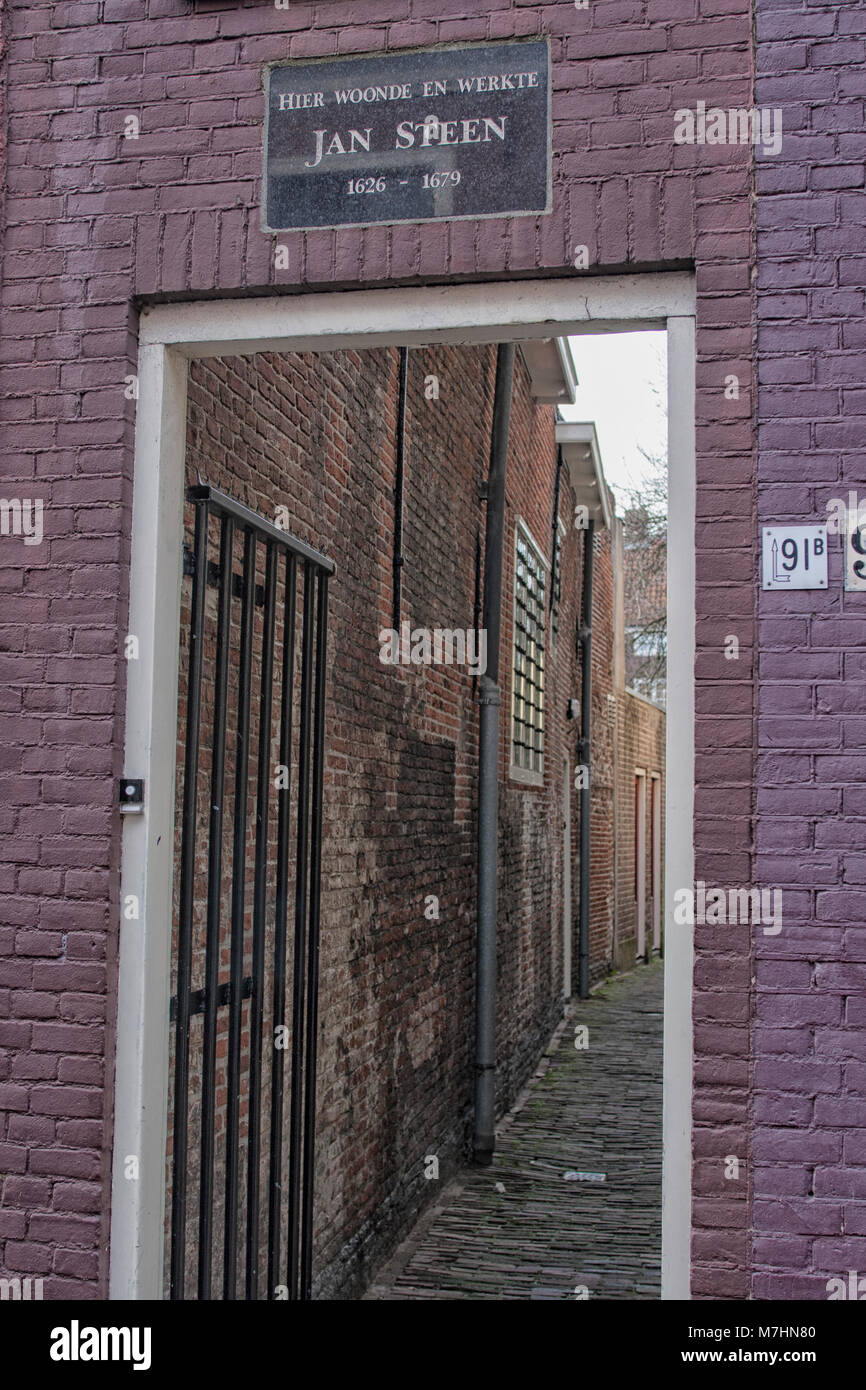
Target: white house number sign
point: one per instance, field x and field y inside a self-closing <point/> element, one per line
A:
<point x="795" y="557"/>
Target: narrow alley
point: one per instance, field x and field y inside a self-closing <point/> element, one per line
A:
<point x="539" y="1223"/>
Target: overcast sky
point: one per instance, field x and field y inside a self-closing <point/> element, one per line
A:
<point x="622" y="386"/>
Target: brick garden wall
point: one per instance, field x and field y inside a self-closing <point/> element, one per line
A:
<point x="95" y="225"/>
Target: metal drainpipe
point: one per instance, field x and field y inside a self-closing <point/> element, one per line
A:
<point x="398" y="486"/>
<point x="488" y="767"/>
<point x="584" y="637"/>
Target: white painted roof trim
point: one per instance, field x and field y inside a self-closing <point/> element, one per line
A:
<point x="551" y="368"/>
<point x="575" y="439"/>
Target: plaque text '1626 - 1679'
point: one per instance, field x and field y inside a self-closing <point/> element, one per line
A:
<point x="408" y="137"/>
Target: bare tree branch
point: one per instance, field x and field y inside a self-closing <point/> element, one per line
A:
<point x="645" y="541"/>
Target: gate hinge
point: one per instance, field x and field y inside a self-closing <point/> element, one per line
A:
<point x="198" y="997"/>
<point x="213" y="577"/>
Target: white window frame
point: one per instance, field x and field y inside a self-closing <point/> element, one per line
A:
<point x="556" y="572"/>
<point x="170" y="335"/>
<point x="529" y="777"/>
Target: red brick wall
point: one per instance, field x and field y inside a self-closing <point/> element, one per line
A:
<point x="602" y="889"/>
<point x="93" y="225"/>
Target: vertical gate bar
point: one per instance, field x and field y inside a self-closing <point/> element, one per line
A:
<point x="313" y="964"/>
<point x="237" y="934"/>
<point x="187" y="901"/>
<point x="300" y="933"/>
<point x="263" y="784"/>
<point x="214" y="895"/>
<point x="284" y="816"/>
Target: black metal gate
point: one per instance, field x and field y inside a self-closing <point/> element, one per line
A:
<point x="247" y="908"/>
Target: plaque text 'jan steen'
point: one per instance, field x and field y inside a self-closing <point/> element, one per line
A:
<point x="408" y="137"/>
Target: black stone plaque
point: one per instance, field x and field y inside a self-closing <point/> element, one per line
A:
<point x="408" y="137"/>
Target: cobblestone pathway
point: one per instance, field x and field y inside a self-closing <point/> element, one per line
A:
<point x="522" y="1229"/>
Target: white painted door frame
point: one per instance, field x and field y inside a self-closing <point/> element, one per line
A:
<point x="169" y="336"/>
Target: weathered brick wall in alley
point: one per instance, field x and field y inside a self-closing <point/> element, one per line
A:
<point x="95" y="226"/>
<point x="809" y="1103"/>
<point x="602" y="890"/>
<point x="316" y="435"/>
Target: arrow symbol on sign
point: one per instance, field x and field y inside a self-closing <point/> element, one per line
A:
<point x="777" y="577"/>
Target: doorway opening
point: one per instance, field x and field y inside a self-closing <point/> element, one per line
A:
<point x="656" y="858"/>
<point x="171" y="337"/>
<point x="640" y="860"/>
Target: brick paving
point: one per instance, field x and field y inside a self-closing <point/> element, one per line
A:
<point x="521" y="1229"/>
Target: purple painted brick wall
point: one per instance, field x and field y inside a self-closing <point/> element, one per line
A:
<point x="809" y="1101"/>
<point x="95" y="224"/>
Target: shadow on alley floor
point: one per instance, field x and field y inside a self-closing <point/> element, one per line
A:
<point x="535" y="1225"/>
